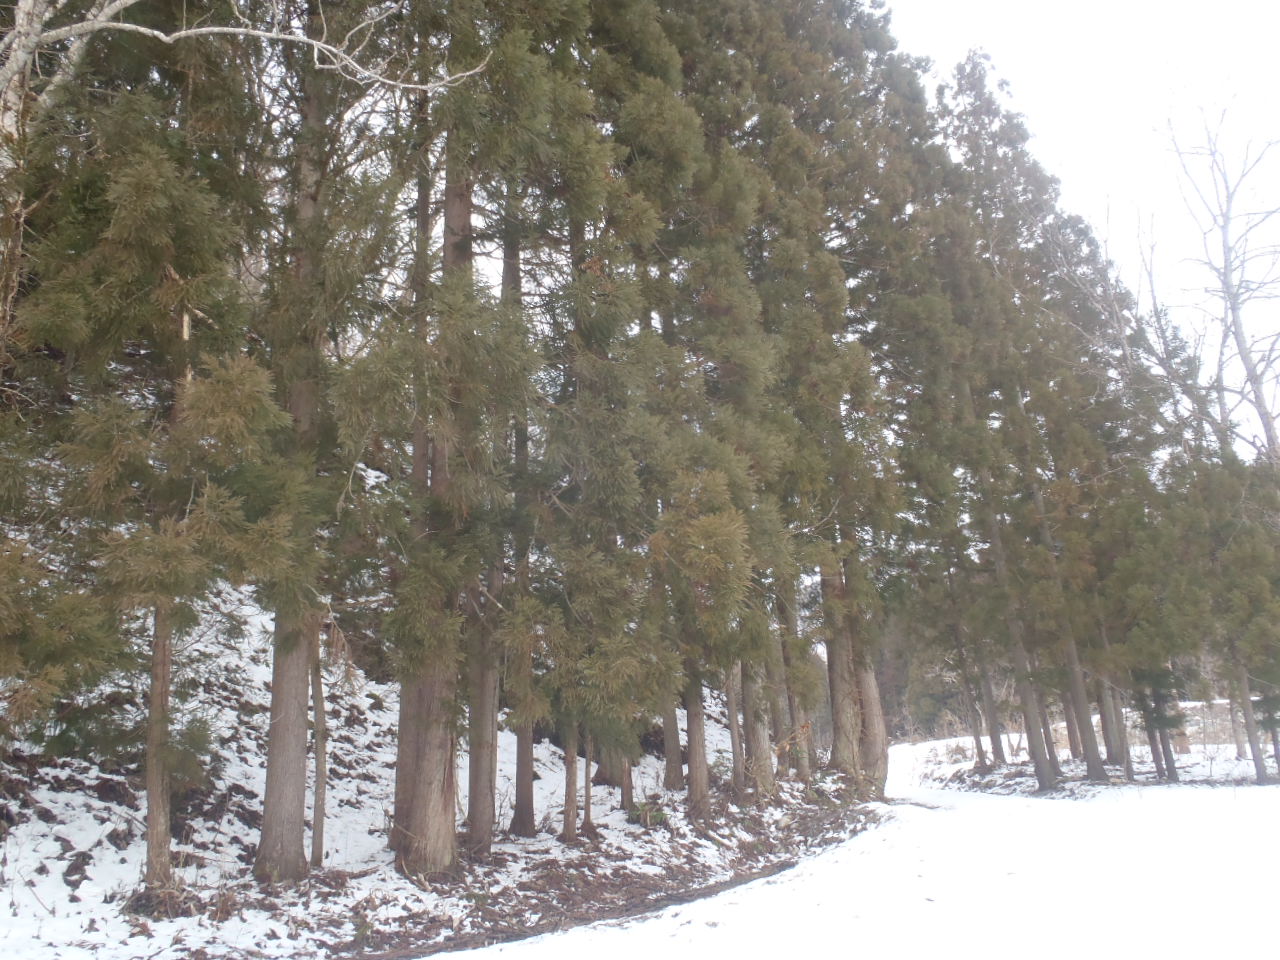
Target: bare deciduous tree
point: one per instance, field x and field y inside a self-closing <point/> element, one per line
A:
<point x="1245" y="268"/>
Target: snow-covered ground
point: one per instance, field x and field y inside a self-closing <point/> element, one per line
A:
<point x="71" y="839"/>
<point x="1128" y="871"/>
<point x="1173" y="870"/>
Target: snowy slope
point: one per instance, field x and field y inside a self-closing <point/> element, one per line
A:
<point x="72" y="851"/>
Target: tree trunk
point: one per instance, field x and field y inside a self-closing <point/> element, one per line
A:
<point x="1107" y="717"/>
<point x="1047" y="726"/>
<point x="673" y="776"/>
<point x="1250" y="719"/>
<point x="427" y="836"/>
<point x="1079" y="699"/>
<point x="569" y="829"/>
<point x="756" y="723"/>
<point x="482" y="745"/>
<point x="158" y="873"/>
<point x="281" y="857"/>
<point x="873" y="744"/>
<point x="738" y="767"/>
<point x="1237" y="728"/>
<point x="775" y="694"/>
<point x="588" y="824"/>
<point x="1153" y="738"/>
<point x="523" y="822"/>
<point x="1073" y="730"/>
<point x="974" y="720"/>
<point x="320" y="732"/>
<point x="1166" y="750"/>
<point x="845" y="719"/>
<point x="995" y="731"/>
<point x="626" y="789"/>
<point x="799" y="735"/>
<point x="699" y="789"/>
<point x="1029" y="701"/>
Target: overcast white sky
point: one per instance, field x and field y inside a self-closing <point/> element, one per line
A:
<point x="1100" y="82"/>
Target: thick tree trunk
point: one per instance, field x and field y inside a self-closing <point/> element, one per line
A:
<point x="845" y="717"/>
<point x="874" y="740"/>
<point x="736" y="751"/>
<point x="425" y="839"/>
<point x="523" y="818"/>
<point x="298" y="356"/>
<point x="673" y="776"/>
<point x="760" y="775"/>
<point x="320" y="733"/>
<point x="626" y="790"/>
<point x="482" y="746"/>
<point x="158" y="872"/>
<point x="699" y="781"/>
<point x="281" y="857"/>
<point x="569" y="828"/>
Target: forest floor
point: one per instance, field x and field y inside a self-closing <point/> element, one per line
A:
<point x="72" y="846"/>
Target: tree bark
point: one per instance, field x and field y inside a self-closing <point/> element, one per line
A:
<point x="569" y="829"/>
<point x="425" y="838"/>
<point x="281" y="856"/>
<point x="673" y="776"/>
<point x="523" y="817"/>
<point x="736" y="751"/>
<point x="298" y="355"/>
<point x="158" y="872"/>
<point x="588" y="824"/>
<point x="760" y="774"/>
<point x="699" y="782"/>
<point x="482" y="745"/>
<point x="874" y="741"/>
<point x="320" y="732"/>
<point x="845" y="719"/>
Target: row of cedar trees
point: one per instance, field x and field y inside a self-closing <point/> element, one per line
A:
<point x="681" y="337"/>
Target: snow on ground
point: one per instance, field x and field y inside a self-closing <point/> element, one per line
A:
<point x="1168" y="869"/>
<point x="1174" y="871"/>
<point x="72" y="849"/>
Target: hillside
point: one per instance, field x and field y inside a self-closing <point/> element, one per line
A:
<point x="72" y="840"/>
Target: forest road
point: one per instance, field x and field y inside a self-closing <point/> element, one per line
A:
<point x="1170" y="871"/>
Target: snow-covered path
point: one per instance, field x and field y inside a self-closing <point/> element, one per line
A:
<point x="1171" y="871"/>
